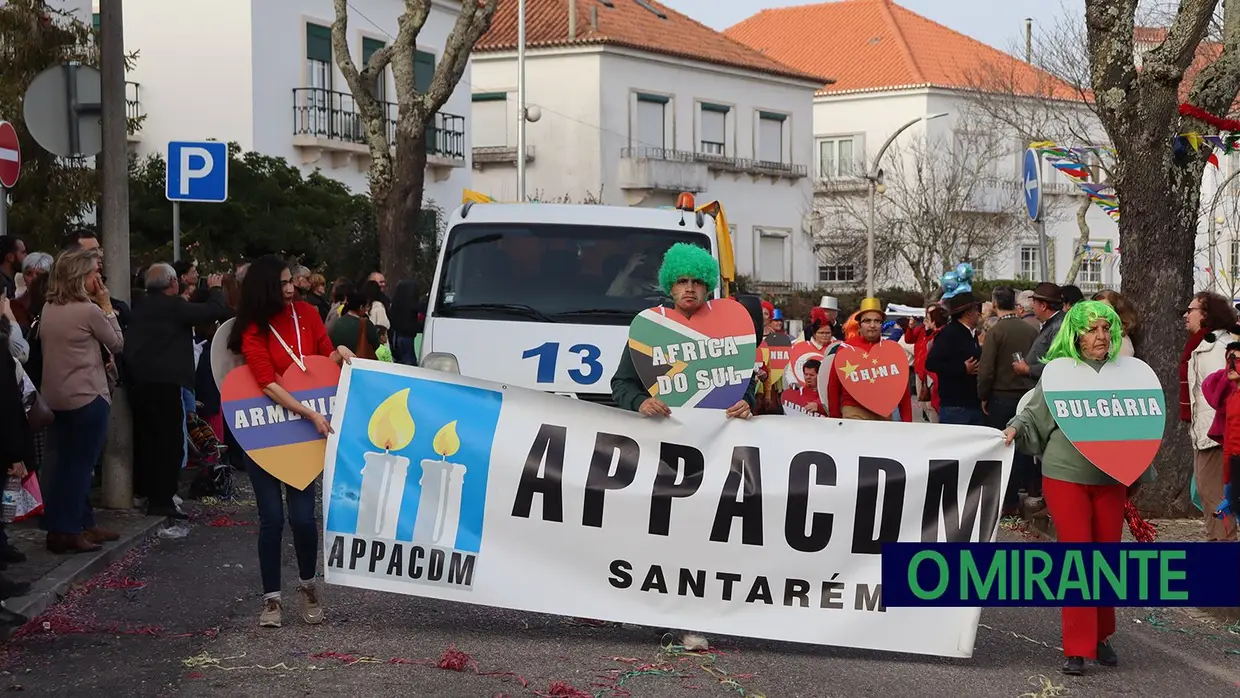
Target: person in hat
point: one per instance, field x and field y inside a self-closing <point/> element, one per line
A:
<point x="830" y="305"/>
<point x="689" y="274"/>
<point x="954" y="358"/>
<point x="1048" y="307"/>
<point x="840" y="403"/>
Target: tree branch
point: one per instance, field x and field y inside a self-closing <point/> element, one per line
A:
<point x="409" y="25"/>
<point x="1216" y="87"/>
<point x="471" y="24"/>
<point x="1168" y="61"/>
<point x="1113" y="72"/>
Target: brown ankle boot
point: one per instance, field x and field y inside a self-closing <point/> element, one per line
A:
<point x="101" y="535"/>
<point x="65" y="543"/>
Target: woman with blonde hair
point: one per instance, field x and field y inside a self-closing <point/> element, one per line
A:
<point x="77" y="318"/>
<point x="1127" y="317"/>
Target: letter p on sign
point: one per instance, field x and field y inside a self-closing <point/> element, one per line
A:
<point x="197" y="171"/>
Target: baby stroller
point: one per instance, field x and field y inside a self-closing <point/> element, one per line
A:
<point x="215" y="475"/>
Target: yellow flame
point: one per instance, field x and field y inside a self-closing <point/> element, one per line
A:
<point x="446" y="443"/>
<point x="391" y="425"/>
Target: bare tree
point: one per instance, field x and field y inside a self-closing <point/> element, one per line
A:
<point x="398" y="170"/>
<point x="1137" y="96"/>
<point x="943" y="203"/>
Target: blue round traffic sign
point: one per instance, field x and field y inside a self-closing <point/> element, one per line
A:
<point x="1032" y="181"/>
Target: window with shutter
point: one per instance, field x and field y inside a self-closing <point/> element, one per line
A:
<point x="771" y="137"/>
<point x="319" y="79"/>
<point x="714" y="130"/>
<point x="369" y="48"/>
<point x="423" y="73"/>
<point x="651" y="121"/>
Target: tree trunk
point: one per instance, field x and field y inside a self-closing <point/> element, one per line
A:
<point x="1158" y="234"/>
<point x="1081" y="242"/>
<point x="400" y="207"/>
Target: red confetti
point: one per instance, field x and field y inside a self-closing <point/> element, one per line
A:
<point x="456" y="660"/>
<point x="224" y="521"/>
<point x="1143" y="531"/>
<point x="562" y="689"/>
<point x="195" y="675"/>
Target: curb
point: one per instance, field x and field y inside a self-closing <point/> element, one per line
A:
<point x="1227" y="615"/>
<point x="52" y="586"/>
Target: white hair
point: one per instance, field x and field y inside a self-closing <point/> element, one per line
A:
<point x="300" y="271"/>
<point x="38" y="261"/>
<point x="1025" y="300"/>
<point x="160" y="277"/>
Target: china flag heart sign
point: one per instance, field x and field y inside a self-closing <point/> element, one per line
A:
<point x="280" y="442"/>
<point x="876" y="377"/>
<point x="705" y="361"/>
<point x="1115" y="416"/>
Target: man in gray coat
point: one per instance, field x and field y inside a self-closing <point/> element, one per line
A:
<point x="1048" y="308"/>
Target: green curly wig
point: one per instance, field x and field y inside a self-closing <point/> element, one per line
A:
<point x="684" y="260"/>
<point x="1077" y="322"/>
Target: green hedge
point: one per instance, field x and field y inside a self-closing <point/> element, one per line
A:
<point x="796" y="304"/>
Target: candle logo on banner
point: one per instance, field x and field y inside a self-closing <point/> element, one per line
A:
<point x="279" y="441"/>
<point x="705" y="361"/>
<point x="424" y="527"/>
<point x="1115" y="416"/>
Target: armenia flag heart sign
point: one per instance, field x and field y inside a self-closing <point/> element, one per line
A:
<point x="280" y="442"/>
<point x="705" y="361"/>
<point x="1114" y="416"/>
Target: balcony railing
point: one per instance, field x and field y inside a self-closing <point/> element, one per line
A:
<point x="334" y="116"/>
<point x="133" y="105"/>
<point x="718" y="162"/>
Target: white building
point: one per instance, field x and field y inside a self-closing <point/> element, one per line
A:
<point x="262" y="73"/>
<point x="891" y="66"/>
<point x="638" y="104"/>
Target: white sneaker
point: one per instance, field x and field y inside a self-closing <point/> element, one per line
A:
<point x="694" y="643"/>
<point x="311" y="609"/>
<point x="272" y="615"/>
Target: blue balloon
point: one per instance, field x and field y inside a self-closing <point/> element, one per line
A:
<point x="949" y="282"/>
<point x="964" y="270"/>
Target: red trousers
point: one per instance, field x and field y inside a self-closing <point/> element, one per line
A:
<point x="1086" y="514"/>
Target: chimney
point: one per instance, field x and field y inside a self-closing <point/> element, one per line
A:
<point x="594" y="18"/>
<point x="572" y="20"/>
<point x="1028" y="39"/>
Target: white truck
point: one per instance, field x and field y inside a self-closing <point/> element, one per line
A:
<point x="541" y="295"/>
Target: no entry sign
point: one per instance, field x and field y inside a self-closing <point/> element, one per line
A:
<point x="10" y="155"/>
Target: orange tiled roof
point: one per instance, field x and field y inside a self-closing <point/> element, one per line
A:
<point x="631" y="24"/>
<point x="878" y="45"/>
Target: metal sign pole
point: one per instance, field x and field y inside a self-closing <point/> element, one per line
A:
<point x="176" y="231"/>
<point x="1044" y="250"/>
<point x="4" y="211"/>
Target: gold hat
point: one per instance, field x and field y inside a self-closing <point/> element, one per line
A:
<point x="871" y="305"/>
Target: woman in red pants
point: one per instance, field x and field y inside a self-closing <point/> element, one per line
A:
<point x="1086" y="504"/>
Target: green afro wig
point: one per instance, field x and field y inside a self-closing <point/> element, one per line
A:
<point x="1077" y="322"/>
<point x="684" y="260"/>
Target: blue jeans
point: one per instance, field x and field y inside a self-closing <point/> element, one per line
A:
<point x="79" y="435"/>
<point x="188" y="406"/>
<point x="962" y="415"/>
<point x="271" y="525"/>
<point x="402" y="351"/>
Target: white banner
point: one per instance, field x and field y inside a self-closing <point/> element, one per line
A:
<point x="458" y="489"/>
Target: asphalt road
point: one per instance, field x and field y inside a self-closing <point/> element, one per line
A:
<point x="179" y="618"/>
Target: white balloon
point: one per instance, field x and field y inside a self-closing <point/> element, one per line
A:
<point x="223" y="360"/>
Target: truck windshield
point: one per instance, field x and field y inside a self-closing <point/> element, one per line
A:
<point x="554" y="273"/>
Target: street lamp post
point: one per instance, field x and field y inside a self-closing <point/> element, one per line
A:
<point x="875" y="176"/>
<point x="1213" y="235"/>
<point x="521" y="114"/>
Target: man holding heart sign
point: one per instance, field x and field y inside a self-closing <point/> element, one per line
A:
<point x="869" y="375"/>
<point x="1097" y="419"/>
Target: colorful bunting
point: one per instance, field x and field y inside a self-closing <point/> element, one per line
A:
<point x="1069" y="162"/>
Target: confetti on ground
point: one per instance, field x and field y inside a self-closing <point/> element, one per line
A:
<point x="204" y="660"/>
<point x="1045" y="688"/>
<point x="225" y="521"/>
<point x="706" y="660"/>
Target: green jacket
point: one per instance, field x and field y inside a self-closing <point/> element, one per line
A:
<point x="1037" y="434"/>
<point x="628" y="391"/>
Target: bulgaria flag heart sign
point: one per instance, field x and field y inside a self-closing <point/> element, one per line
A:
<point x="280" y="442"/>
<point x="876" y="377"/>
<point x="705" y="361"/>
<point x="1115" y="416"/>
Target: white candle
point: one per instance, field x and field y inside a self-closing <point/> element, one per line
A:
<point x="439" y="509"/>
<point x="383" y="490"/>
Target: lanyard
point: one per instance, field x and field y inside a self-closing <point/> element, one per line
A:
<point x="299" y="358"/>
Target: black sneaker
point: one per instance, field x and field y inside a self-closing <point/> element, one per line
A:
<point x="10" y="555"/>
<point x="1106" y="654"/>
<point x="1074" y="666"/>
<point x="10" y="588"/>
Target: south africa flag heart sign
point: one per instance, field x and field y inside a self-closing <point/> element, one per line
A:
<point x="1115" y="416"/>
<point x="705" y="361"/>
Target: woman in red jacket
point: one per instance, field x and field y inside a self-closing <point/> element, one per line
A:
<point x="275" y="332"/>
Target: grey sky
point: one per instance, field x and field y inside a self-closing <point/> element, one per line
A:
<point x="1000" y="23"/>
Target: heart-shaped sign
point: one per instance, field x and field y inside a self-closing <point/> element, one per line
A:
<point x="705" y="361"/>
<point x="223" y="360"/>
<point x="803" y="351"/>
<point x="797" y="400"/>
<point x="1115" y="416"/>
<point x="282" y="443"/>
<point x="775" y="352"/>
<point x="876" y="377"/>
